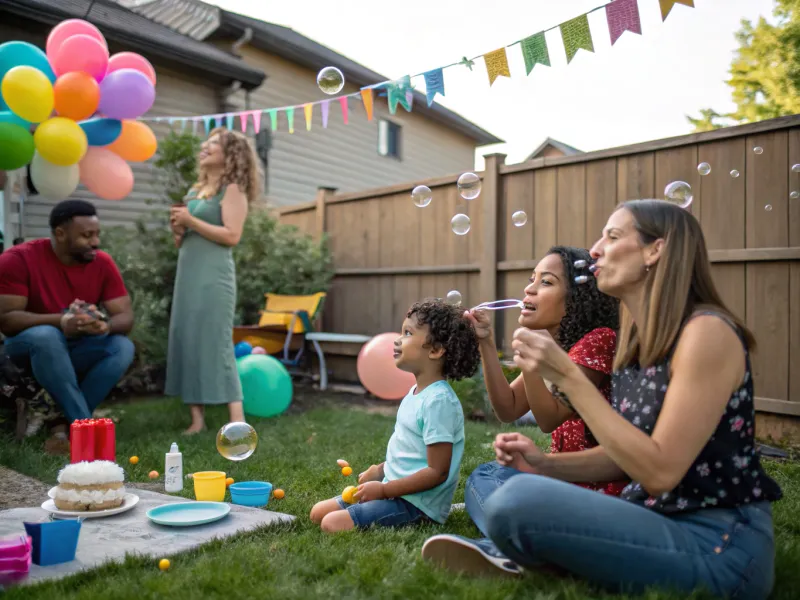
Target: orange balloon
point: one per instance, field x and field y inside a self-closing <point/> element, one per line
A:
<point x="136" y="143"/>
<point x="77" y="95"/>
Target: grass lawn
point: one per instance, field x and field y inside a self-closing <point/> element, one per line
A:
<point x="298" y="453"/>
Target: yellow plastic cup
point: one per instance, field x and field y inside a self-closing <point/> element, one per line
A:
<point x="209" y="486"/>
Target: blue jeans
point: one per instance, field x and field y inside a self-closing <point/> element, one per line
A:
<point x="482" y="482"/>
<point x="536" y="520"/>
<point x="392" y="512"/>
<point x="78" y="372"/>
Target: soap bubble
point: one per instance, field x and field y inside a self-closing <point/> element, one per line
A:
<point x="237" y="441"/>
<point x="469" y="186"/>
<point x="519" y="218"/>
<point x="734" y="173"/>
<point x="768" y="207"/>
<point x="704" y="168"/>
<point x="680" y="193"/>
<point x="580" y="279"/>
<point x="580" y="264"/>
<point x="460" y="224"/>
<point x="795" y="168"/>
<point x="421" y="195"/>
<point x="794" y="195"/>
<point x="330" y="80"/>
<point x="758" y="150"/>
<point x="454" y="297"/>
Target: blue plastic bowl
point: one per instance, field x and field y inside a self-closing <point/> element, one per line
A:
<point x="251" y="493"/>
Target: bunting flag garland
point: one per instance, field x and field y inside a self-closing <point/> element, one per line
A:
<point x="496" y="64"/>
<point x="621" y="16"/>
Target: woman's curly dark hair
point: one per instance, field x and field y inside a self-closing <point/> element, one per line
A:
<point x="586" y="308"/>
<point x="451" y="331"/>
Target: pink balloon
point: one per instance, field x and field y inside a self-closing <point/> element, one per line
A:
<point x="81" y="53"/>
<point x="131" y="60"/>
<point x="258" y="350"/>
<point x="105" y="174"/>
<point x="377" y="371"/>
<point x="65" y="30"/>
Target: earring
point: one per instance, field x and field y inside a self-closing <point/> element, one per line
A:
<point x="647" y="269"/>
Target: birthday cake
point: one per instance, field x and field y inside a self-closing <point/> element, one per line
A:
<point x="89" y="486"/>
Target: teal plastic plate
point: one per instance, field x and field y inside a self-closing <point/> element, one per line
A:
<point x="186" y="514"/>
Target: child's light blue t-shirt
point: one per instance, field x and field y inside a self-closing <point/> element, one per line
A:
<point x="430" y="417"/>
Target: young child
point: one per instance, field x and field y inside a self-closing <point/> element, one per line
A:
<point x="423" y="458"/>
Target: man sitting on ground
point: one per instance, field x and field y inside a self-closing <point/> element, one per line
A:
<point x="65" y="311"/>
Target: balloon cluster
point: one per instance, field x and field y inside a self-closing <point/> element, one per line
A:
<point x="70" y="112"/>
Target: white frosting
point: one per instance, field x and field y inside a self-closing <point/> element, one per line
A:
<point x="89" y="496"/>
<point x="91" y="473"/>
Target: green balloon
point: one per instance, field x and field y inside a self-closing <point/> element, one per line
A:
<point x="266" y="385"/>
<point x="16" y="147"/>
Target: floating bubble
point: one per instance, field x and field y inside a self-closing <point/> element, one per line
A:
<point x="680" y="193"/>
<point x="519" y="218"/>
<point x="421" y="195"/>
<point x="795" y="168"/>
<point x="237" y="441"/>
<point x="580" y="264"/>
<point x="768" y="207"/>
<point x="794" y="195"/>
<point x="460" y="224"/>
<point x="704" y="168"/>
<point x="454" y="297"/>
<point x="581" y="279"/>
<point x="469" y="186"/>
<point x="330" y="80"/>
<point x="734" y="173"/>
<point x="758" y="150"/>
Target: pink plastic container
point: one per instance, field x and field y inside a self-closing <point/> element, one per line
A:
<point x="15" y="558"/>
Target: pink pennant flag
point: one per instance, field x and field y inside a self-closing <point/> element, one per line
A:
<point x="343" y="102"/>
<point x="256" y="120"/>
<point x="243" y="118"/>
<point x="326" y="106"/>
<point x="622" y="16"/>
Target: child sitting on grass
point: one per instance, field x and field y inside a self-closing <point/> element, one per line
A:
<point x="423" y="458"/>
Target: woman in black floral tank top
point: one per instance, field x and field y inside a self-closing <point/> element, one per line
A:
<point x="698" y="511"/>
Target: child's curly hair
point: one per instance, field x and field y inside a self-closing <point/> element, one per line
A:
<point x="451" y="331"/>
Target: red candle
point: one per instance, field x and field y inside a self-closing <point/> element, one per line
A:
<point x="87" y="447"/>
<point x="75" y="441"/>
<point x="105" y="440"/>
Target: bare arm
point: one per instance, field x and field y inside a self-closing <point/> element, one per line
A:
<point x="15" y="319"/>
<point x="589" y="465"/>
<point x="439" y="457"/>
<point x="708" y="365"/>
<point x="120" y="312"/>
<point x="508" y="400"/>
<point x="234" y="213"/>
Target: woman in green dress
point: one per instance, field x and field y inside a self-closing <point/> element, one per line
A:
<point x="201" y="367"/>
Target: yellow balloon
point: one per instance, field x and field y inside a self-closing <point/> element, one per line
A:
<point x="28" y="93"/>
<point x="61" y="141"/>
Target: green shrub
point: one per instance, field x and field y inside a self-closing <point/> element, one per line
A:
<point x="270" y="257"/>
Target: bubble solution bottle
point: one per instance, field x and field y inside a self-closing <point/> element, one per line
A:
<point x="173" y="469"/>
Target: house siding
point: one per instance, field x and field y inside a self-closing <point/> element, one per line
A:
<point x="342" y="156"/>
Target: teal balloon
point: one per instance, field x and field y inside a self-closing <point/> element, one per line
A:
<point x="101" y="131"/>
<point x="16" y="54"/>
<point x="6" y="116"/>
<point x="266" y="385"/>
<point x="16" y="146"/>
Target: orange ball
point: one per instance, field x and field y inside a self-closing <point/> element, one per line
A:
<point x="279" y="493"/>
<point x="153" y="474"/>
<point x="133" y="460"/>
<point x="347" y="471"/>
<point x="76" y="95"/>
<point x="229" y="481"/>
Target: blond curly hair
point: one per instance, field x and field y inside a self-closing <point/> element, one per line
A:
<point x="242" y="165"/>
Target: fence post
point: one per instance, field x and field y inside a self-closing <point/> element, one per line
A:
<point x="323" y="195"/>
<point x="490" y="200"/>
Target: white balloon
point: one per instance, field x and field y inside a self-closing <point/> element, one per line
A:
<point x="54" y="182"/>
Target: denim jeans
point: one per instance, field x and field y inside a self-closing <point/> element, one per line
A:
<point x="730" y="552"/>
<point x="77" y="372"/>
<point x="481" y="483"/>
<point x="391" y="512"/>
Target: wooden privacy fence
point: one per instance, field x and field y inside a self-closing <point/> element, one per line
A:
<point x="389" y="253"/>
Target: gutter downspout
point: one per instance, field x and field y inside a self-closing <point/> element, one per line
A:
<point x="246" y="37"/>
<point x="226" y="105"/>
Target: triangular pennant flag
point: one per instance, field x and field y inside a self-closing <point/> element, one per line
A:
<point x="343" y="102"/>
<point x="496" y="64"/>
<point x="171" y="121"/>
<point x="184" y="123"/>
<point x="398" y="92"/>
<point x="366" y="97"/>
<point x="229" y="121"/>
<point x="576" y="35"/>
<point x="409" y="99"/>
<point x="308" y="109"/>
<point x="534" y="51"/>
<point x="326" y="107"/>
<point x="243" y="119"/>
<point x="622" y="16"/>
<point x="256" y="121"/>
<point x="290" y="118"/>
<point x="666" y="6"/>
<point x="207" y="123"/>
<point x="273" y="119"/>
<point x="194" y="125"/>
<point x="434" y="84"/>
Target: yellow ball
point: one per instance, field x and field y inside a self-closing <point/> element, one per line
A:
<point x="133" y="460"/>
<point x="163" y="564"/>
<point x="61" y="141"/>
<point x="347" y="471"/>
<point x="28" y="93"/>
<point x="347" y="494"/>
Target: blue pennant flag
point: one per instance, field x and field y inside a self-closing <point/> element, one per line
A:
<point x="207" y="123"/>
<point x="434" y="84"/>
<point x="229" y="121"/>
<point x="398" y="93"/>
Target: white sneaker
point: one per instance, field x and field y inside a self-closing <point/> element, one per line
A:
<point x="464" y="555"/>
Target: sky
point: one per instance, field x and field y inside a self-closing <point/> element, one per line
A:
<point x="640" y="89"/>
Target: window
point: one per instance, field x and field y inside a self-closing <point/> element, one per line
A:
<point x="388" y="138"/>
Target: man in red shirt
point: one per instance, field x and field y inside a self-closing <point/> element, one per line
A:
<point x="78" y="356"/>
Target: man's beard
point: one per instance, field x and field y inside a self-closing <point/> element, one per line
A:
<point x="84" y="256"/>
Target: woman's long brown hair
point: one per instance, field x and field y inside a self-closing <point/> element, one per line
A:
<point x="242" y="166"/>
<point x="679" y="284"/>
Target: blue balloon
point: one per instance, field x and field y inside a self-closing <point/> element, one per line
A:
<point x="101" y="131"/>
<point x="16" y="54"/>
<point x="6" y="116"/>
<point x="242" y="349"/>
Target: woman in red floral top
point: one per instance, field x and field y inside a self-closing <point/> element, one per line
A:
<point x="583" y="321"/>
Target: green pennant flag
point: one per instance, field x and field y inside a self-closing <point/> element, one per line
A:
<point x="576" y="35"/>
<point x="273" y="120"/>
<point x="534" y="51"/>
